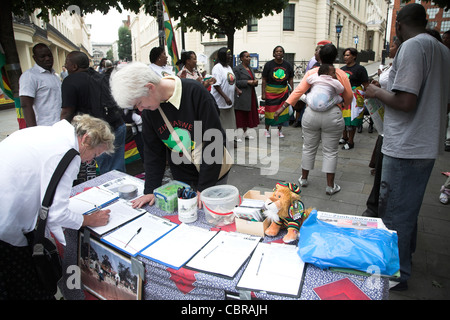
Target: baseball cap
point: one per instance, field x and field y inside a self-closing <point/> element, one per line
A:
<point x="323" y="42"/>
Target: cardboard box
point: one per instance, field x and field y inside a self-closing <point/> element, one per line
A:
<point x="253" y="227"/>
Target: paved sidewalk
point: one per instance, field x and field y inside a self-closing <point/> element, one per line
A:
<point x="431" y="261"/>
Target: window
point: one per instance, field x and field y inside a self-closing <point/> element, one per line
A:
<point x="445" y="25"/>
<point x="288" y="17"/>
<point x="252" y="25"/>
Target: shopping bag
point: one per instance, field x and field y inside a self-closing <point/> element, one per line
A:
<point x="326" y="245"/>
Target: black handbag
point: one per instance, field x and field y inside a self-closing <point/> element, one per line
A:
<point x="44" y="253"/>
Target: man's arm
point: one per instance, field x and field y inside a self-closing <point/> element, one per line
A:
<point x="398" y="100"/>
<point x="67" y="113"/>
<point x="28" y="113"/>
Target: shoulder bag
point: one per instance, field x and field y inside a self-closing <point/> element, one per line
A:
<point x="44" y="253"/>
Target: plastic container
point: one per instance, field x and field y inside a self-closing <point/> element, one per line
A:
<point x="166" y="196"/>
<point x="218" y="203"/>
<point x="128" y="191"/>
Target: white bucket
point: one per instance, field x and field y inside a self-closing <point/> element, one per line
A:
<point x="218" y="203"/>
<point x="187" y="210"/>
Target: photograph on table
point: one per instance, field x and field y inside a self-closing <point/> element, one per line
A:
<point x="105" y="273"/>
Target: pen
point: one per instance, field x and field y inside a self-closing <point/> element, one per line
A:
<point x="139" y="230"/>
<point x="262" y="256"/>
<point x="212" y="250"/>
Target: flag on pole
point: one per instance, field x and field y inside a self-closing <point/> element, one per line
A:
<point x="170" y="37"/>
<point x="6" y="89"/>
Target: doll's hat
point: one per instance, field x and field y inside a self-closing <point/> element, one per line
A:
<point x="292" y="186"/>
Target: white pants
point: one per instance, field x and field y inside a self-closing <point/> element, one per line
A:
<point x="326" y="126"/>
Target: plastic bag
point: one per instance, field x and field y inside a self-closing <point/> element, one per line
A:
<point x="325" y="246"/>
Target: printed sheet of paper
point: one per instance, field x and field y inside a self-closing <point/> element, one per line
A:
<point x="225" y="253"/>
<point x="150" y="227"/>
<point x="114" y="185"/>
<point x="274" y="268"/>
<point x="178" y="246"/>
<point x="121" y="213"/>
<point x="87" y="201"/>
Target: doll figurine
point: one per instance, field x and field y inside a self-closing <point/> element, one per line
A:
<point x="285" y="209"/>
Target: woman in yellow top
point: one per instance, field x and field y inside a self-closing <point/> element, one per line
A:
<point x="325" y="125"/>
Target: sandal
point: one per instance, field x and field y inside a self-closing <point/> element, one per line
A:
<point x="343" y="140"/>
<point x="348" y="146"/>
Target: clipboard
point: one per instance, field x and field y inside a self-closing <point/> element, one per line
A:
<point x="91" y="200"/>
<point x="274" y="268"/>
<point x="225" y="254"/>
<point x="178" y="246"/>
<point x="128" y="240"/>
<point x="121" y="213"/>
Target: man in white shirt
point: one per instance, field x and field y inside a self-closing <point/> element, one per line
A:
<point x="40" y="90"/>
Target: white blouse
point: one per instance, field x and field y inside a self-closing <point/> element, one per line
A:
<point x="28" y="158"/>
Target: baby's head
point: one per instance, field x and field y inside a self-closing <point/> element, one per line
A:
<point x="327" y="69"/>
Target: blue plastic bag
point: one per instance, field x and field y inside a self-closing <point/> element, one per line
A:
<point x="325" y="245"/>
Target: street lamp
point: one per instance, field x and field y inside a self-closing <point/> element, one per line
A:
<point x="338" y="32"/>
<point x="356" y="40"/>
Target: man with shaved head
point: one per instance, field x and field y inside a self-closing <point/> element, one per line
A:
<point x="83" y="92"/>
<point x="417" y="102"/>
<point x="40" y="90"/>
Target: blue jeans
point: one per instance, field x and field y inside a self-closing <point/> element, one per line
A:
<point x="402" y="187"/>
<point x="115" y="161"/>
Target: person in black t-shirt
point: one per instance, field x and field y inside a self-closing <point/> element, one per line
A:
<point x="191" y="111"/>
<point x="359" y="80"/>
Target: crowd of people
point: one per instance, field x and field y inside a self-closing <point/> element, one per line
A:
<point x="183" y="119"/>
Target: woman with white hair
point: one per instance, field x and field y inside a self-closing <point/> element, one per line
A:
<point x="28" y="159"/>
<point x="190" y="110"/>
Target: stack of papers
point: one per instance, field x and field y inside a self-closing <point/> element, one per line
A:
<point x="250" y="209"/>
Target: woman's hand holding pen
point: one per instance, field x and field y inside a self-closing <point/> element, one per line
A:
<point x="97" y="218"/>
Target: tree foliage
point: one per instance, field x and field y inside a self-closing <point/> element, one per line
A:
<point x="56" y="7"/>
<point x="82" y="7"/>
<point x="217" y="16"/>
<point x="124" y="44"/>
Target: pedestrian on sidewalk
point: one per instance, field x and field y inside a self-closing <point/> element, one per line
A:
<point x="417" y="101"/>
<point x="246" y="103"/>
<point x="40" y="90"/>
<point x="359" y="80"/>
<point x="324" y="125"/>
<point x="277" y="76"/>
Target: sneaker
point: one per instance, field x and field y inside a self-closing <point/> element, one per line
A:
<point x="398" y="286"/>
<point x="246" y="136"/>
<point x="330" y="191"/>
<point x="343" y="141"/>
<point x="303" y="182"/>
<point x="238" y="140"/>
<point x="348" y="146"/>
<point x="443" y="198"/>
<point x="280" y="134"/>
<point x="267" y="134"/>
